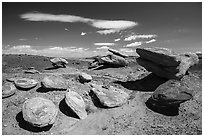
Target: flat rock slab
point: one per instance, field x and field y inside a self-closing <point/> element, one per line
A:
<point x="117" y="53"/>
<point x="25" y="83"/>
<point x="172" y="93"/>
<point x="39" y="112"/>
<point x="8" y="89"/>
<point x="76" y="103"/>
<point x="54" y="82"/>
<point x="110" y="96"/>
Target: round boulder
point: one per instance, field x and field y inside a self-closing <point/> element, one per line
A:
<point x="8" y="89"/>
<point x="39" y="112"/>
<point x="25" y="83"/>
<point x="83" y="77"/>
<point x="58" y="62"/>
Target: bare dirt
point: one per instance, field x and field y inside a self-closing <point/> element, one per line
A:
<point x="135" y="117"/>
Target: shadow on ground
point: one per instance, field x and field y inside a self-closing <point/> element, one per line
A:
<point x="27" y="126"/>
<point x="149" y="83"/>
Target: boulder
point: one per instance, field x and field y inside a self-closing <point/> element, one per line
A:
<point x="76" y="103"/>
<point x="25" y="83"/>
<point x="59" y="62"/>
<point x="83" y="77"/>
<point x="109" y="96"/>
<point x="54" y="82"/>
<point x="39" y="112"/>
<point x="114" y="60"/>
<point x="8" y="89"/>
<point x="172" y="93"/>
<point x="117" y="53"/>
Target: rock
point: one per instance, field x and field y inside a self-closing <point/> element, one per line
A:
<point x="114" y="60"/>
<point x="31" y="68"/>
<point x="59" y="62"/>
<point x="8" y="89"/>
<point x="25" y="83"/>
<point x="158" y="55"/>
<point x="76" y="103"/>
<point x="12" y="79"/>
<point x="172" y="93"/>
<point x="117" y="53"/>
<point x="110" y="96"/>
<point x="83" y="77"/>
<point x="54" y="82"/>
<point x="39" y="112"/>
<point x="32" y="71"/>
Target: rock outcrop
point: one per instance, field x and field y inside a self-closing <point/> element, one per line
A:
<point x="109" y="96"/>
<point x="166" y="63"/>
<point x="8" y="89"/>
<point x="25" y="83"/>
<point x="76" y="103"/>
<point x="59" y="62"/>
<point x="54" y="82"/>
<point x="39" y="112"/>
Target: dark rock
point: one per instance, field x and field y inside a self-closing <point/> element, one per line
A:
<point x="8" y="89"/>
<point x="39" y="112"/>
<point x="25" y="83"/>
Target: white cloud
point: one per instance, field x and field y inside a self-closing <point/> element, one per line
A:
<point x="117" y="39"/>
<point x="104" y="44"/>
<point x="134" y="44"/>
<point x="105" y="26"/>
<point x="103" y="47"/>
<point x="150" y="41"/>
<point x="127" y="50"/>
<point x="133" y="37"/>
<point x="83" y="33"/>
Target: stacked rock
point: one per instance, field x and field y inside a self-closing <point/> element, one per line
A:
<point x="166" y="63"/>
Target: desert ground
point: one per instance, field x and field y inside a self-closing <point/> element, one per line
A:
<point x="135" y="117"/>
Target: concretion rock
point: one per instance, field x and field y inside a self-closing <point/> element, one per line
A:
<point x="59" y="62"/>
<point x="83" y="77"/>
<point x="162" y="56"/>
<point x="172" y="93"/>
<point x="76" y="103"/>
<point x="25" y="83"/>
<point x="8" y="89"/>
<point x="110" y="96"/>
<point x="54" y="82"/>
<point x="114" y="60"/>
<point x="39" y="112"/>
<point x="117" y="53"/>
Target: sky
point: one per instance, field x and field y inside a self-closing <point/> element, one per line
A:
<point x="68" y="29"/>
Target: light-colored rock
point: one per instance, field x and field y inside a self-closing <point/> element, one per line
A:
<point x="114" y="60"/>
<point x="25" y="83"/>
<point x="83" y="77"/>
<point x="32" y="71"/>
<point x="8" y="89"/>
<point x="109" y="96"/>
<point x="172" y="93"/>
<point x="117" y="53"/>
<point x="39" y="112"/>
<point x="59" y="62"/>
<point x="76" y="103"/>
<point x="54" y="82"/>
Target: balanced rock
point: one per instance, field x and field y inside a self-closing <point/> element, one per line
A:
<point x="109" y="96"/>
<point x="76" y="103"/>
<point x="83" y="77"/>
<point x="117" y="53"/>
<point x="25" y="83"/>
<point x="39" y="112"/>
<point x="172" y="93"/>
<point x="54" y="82"/>
<point x="59" y="62"/>
<point x="8" y="89"/>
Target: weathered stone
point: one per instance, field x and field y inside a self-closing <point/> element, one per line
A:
<point x="114" y="60"/>
<point x="25" y="83"/>
<point x="39" y="112"/>
<point x="32" y="71"/>
<point x="117" y="53"/>
<point x="8" y="89"/>
<point x="83" y="77"/>
<point x="158" y="55"/>
<point x="76" y="103"/>
<point x="172" y="93"/>
<point x="54" y="82"/>
<point x="110" y="96"/>
<point x="59" y="62"/>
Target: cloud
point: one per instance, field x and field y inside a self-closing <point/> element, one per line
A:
<point x="153" y="40"/>
<point x="104" y="44"/>
<point x="105" y="26"/>
<point x="83" y="33"/>
<point x="103" y="47"/>
<point x="134" y="44"/>
<point x="127" y="50"/>
<point x="133" y="37"/>
<point x="117" y="39"/>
